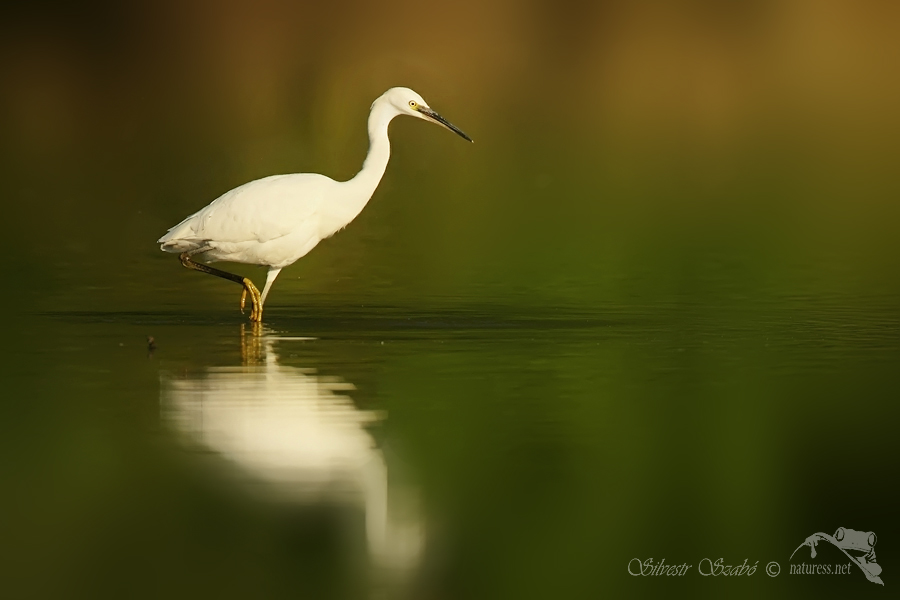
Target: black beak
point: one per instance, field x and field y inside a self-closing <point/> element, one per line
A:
<point x="442" y="121"/>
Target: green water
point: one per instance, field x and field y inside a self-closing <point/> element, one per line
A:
<point x="545" y="447"/>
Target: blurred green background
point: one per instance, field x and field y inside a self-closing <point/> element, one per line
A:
<point x="651" y="312"/>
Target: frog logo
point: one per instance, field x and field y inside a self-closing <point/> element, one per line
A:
<point x="859" y="546"/>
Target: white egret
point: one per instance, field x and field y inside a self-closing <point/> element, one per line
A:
<point x="276" y="220"/>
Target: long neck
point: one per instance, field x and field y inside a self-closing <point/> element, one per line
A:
<point x="370" y="175"/>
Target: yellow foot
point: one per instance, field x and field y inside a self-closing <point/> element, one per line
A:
<point x="257" y="308"/>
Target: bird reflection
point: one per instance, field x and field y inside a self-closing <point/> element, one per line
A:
<point x="300" y="436"/>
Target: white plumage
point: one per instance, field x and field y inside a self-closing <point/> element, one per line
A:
<point x="276" y="220"/>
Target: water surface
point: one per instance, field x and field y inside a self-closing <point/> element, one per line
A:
<point x="468" y="451"/>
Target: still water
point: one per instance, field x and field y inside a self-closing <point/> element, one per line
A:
<point x="492" y="451"/>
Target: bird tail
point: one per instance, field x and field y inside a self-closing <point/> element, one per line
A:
<point x="180" y="238"/>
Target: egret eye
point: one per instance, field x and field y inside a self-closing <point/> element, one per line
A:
<point x="412" y="104"/>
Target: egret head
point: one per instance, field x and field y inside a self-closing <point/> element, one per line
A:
<point x="407" y="102"/>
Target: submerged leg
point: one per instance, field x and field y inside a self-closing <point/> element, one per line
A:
<point x="256" y="311"/>
<point x="252" y="352"/>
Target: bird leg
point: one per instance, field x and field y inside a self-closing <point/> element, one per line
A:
<point x="256" y="311"/>
<point x="254" y="299"/>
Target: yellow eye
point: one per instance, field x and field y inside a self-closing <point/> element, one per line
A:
<point x="412" y="104"/>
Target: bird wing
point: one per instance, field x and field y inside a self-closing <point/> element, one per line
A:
<point x="258" y="211"/>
